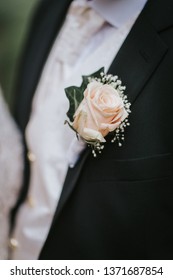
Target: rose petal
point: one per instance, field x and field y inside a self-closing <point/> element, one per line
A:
<point x="109" y="127"/>
<point x="92" y="135"/>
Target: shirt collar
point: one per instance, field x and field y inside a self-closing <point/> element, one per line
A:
<point x="117" y="12"/>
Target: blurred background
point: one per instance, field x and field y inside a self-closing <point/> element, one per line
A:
<point x="15" y="17"/>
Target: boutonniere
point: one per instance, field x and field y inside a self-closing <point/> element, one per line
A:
<point x="98" y="107"/>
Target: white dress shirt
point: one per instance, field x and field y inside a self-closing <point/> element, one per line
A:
<point x="47" y="137"/>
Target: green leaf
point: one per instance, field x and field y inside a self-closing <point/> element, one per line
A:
<point x="75" y="94"/>
<point x="75" y="97"/>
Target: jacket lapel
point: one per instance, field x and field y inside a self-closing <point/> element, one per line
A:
<point x="71" y="180"/>
<point x="47" y="22"/>
<point x="137" y="59"/>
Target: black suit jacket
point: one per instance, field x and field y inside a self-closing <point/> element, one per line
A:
<point x="120" y="204"/>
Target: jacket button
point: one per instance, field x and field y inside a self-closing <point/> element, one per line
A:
<point x="13" y="243"/>
<point x="31" y="156"/>
<point x="30" y="201"/>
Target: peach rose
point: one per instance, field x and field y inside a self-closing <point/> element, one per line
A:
<point x="100" y="112"/>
